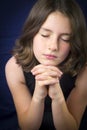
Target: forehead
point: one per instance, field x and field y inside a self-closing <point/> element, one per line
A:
<point x="57" y="21"/>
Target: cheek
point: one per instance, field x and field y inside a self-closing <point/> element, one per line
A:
<point x="65" y="50"/>
<point x="35" y="43"/>
<point x="37" y="46"/>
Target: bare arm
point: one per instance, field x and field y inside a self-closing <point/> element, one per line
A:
<point x="49" y="75"/>
<point x="77" y="100"/>
<point x="63" y="119"/>
<point x="29" y="110"/>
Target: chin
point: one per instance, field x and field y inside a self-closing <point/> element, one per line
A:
<point x="47" y="63"/>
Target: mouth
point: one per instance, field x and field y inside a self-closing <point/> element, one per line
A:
<point x="50" y="56"/>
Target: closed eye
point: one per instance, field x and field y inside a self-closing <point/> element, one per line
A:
<point x="65" y="38"/>
<point x="43" y="35"/>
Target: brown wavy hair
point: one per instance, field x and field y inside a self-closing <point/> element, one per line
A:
<point x="77" y="58"/>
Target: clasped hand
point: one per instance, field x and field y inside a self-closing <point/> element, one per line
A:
<point x="47" y="81"/>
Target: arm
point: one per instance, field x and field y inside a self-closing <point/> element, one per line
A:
<point x="29" y="110"/>
<point x="49" y="75"/>
<point x="63" y="120"/>
<point x="77" y="100"/>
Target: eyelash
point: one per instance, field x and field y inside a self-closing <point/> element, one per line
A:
<point x="68" y="40"/>
<point x="44" y="35"/>
<point x="65" y="40"/>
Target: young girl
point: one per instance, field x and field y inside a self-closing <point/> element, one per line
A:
<point x="47" y="73"/>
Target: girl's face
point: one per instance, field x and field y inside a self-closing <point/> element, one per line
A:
<point x="51" y="44"/>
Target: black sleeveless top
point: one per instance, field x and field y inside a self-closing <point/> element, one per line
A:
<point x="67" y="84"/>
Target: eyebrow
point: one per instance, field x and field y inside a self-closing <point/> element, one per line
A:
<point x="45" y="29"/>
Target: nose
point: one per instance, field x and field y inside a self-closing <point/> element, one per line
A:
<point x="53" y="45"/>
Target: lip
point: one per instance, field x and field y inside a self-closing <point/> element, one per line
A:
<point x="50" y="56"/>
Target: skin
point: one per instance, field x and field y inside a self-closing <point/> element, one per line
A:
<point x="51" y="47"/>
<point x="77" y="100"/>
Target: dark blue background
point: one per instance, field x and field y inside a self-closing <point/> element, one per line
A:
<point x="12" y="16"/>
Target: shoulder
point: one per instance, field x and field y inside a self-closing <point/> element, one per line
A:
<point x="11" y="63"/>
<point x="13" y="70"/>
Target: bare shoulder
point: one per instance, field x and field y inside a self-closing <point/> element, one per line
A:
<point x="11" y="64"/>
<point x="13" y="71"/>
<point x="17" y="85"/>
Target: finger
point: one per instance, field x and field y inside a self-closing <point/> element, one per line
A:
<point x="38" y="69"/>
<point x="46" y="80"/>
<point x="52" y="70"/>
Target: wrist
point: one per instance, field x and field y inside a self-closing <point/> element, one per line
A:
<point x="58" y="100"/>
<point x="56" y="93"/>
<point x="38" y="98"/>
<point x="40" y="94"/>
